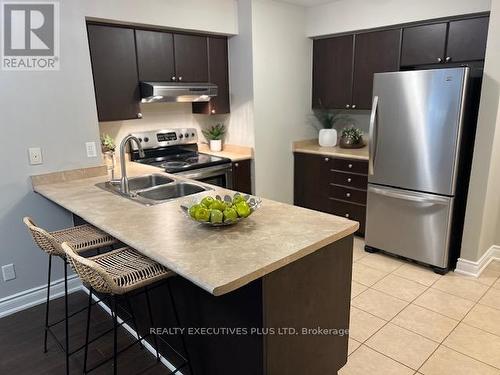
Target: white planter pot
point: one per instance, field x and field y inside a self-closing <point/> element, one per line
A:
<point x="215" y="145"/>
<point x="327" y="137"/>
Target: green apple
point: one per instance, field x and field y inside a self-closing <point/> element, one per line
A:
<point x="202" y="214"/>
<point x="207" y="201"/>
<point x="230" y="214"/>
<point x="216" y="216"/>
<point x="243" y="209"/>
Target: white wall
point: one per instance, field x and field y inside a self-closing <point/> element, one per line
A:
<point x="241" y="129"/>
<point x="56" y="111"/>
<point x="282" y="58"/>
<point x="482" y="225"/>
<point x="349" y="15"/>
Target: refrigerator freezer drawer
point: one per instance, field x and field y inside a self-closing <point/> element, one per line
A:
<point x="410" y="224"/>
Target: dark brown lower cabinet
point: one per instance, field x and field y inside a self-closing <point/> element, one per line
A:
<point x="242" y="176"/>
<point x="332" y="185"/>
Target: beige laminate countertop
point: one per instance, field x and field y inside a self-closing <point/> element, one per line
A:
<point x="218" y="260"/>
<point x="311" y="146"/>
<point x="233" y="152"/>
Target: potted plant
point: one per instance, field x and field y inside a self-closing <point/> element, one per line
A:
<point x="325" y="121"/>
<point x="351" y="137"/>
<point x="214" y="135"/>
<point x="108" y="147"/>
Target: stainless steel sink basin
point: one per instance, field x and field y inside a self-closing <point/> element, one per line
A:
<point x="154" y="189"/>
<point x="145" y="182"/>
<point x="171" y="191"/>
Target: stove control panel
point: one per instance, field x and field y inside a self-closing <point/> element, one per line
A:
<point x="166" y="137"/>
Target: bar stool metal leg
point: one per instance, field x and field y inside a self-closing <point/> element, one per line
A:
<point x="178" y="323"/>
<point x="134" y="321"/>
<point x="66" y="324"/>
<point x="47" y="304"/>
<point x="87" y="332"/>
<point x="150" y="313"/>
<point x="115" y="337"/>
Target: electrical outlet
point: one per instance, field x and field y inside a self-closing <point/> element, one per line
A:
<point x="8" y="272"/>
<point x="35" y="155"/>
<point x="91" y="149"/>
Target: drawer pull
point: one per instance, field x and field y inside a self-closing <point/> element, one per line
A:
<point x="327" y="159"/>
<point x="349" y="179"/>
<point x="347" y="216"/>
<point x="350" y="166"/>
<point x="348" y="195"/>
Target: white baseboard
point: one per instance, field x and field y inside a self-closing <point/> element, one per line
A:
<point x="35" y="296"/>
<point x="146" y="344"/>
<point x="470" y="268"/>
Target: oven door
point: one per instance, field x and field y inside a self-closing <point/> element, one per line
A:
<point x="218" y="175"/>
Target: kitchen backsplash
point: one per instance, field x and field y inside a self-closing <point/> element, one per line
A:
<point x="161" y="116"/>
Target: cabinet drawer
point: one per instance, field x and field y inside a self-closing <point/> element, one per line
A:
<point x="347" y="194"/>
<point x="350" y="211"/>
<point x="349" y="179"/>
<point x="349" y="165"/>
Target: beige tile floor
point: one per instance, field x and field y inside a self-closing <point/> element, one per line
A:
<point x="405" y="319"/>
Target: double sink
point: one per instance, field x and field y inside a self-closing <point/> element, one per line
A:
<point x="154" y="188"/>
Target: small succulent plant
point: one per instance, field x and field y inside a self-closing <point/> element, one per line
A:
<point x="215" y="132"/>
<point x="352" y="135"/>
<point x="107" y="143"/>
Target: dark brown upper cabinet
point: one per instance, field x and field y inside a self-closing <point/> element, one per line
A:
<point x="219" y="75"/>
<point x="467" y="39"/>
<point x="375" y="52"/>
<point x="114" y="66"/>
<point x="423" y="44"/>
<point x="191" y="58"/>
<point x="155" y="55"/>
<point x="332" y="72"/>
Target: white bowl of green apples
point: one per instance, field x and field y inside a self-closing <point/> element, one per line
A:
<point x="221" y="211"/>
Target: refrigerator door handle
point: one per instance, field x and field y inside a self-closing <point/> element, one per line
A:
<point x="372" y="141"/>
<point x="410" y="197"/>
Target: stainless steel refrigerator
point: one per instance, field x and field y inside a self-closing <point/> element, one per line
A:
<point x="416" y="141"/>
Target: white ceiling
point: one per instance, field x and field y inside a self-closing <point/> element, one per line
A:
<point x="308" y="3"/>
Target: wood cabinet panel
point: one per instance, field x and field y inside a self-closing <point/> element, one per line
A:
<point x="191" y="58"/>
<point x="155" y="55"/>
<point x="375" y="52"/>
<point x="350" y="211"/>
<point x="242" y="176"/>
<point x="114" y="67"/>
<point x="349" y="165"/>
<point x="218" y="74"/>
<point x="332" y="72"/>
<point x="423" y="44"/>
<point x="310" y="183"/>
<point x="467" y="39"/>
<point x="347" y="194"/>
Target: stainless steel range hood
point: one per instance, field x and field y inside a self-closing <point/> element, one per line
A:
<point x="152" y="92"/>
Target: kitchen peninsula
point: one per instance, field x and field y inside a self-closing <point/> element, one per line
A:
<point x="283" y="269"/>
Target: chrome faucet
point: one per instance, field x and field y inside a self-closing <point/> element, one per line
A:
<point x="124" y="180"/>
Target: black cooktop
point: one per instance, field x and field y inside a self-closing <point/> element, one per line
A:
<point x="175" y="160"/>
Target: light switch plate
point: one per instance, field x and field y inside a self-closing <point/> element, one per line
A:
<point x="91" y="149"/>
<point x="8" y="272"/>
<point x="35" y="155"/>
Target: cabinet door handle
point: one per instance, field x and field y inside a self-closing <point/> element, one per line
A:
<point x="350" y="166"/>
<point x="347" y="106"/>
<point x="439" y="59"/>
<point x="348" y="195"/>
<point x="349" y="179"/>
<point x="353" y="106"/>
<point x="174" y="78"/>
<point x="236" y="165"/>
<point x="139" y="115"/>
<point x="347" y="216"/>
<point x="180" y="78"/>
<point x="448" y="59"/>
<point x="326" y="159"/>
<point x="212" y="111"/>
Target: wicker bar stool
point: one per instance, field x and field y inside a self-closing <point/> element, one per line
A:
<point x="118" y="273"/>
<point x="83" y="238"/>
